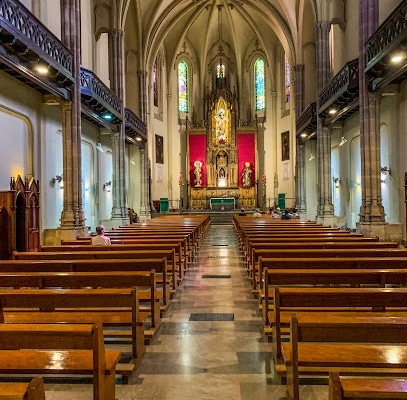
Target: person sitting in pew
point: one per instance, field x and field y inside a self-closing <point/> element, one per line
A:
<point x="101" y="239"/>
<point x="286" y="215"/>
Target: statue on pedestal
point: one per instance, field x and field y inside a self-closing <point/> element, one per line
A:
<point x="247" y="175"/>
<point x="198" y="173"/>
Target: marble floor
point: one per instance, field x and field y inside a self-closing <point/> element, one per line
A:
<point x="204" y="360"/>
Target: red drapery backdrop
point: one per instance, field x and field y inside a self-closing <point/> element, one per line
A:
<point x="245" y="151"/>
<point x="197" y="151"/>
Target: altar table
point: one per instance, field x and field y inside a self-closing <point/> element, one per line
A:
<point x="222" y="203"/>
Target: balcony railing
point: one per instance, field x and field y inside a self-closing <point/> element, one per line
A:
<point x="307" y="121"/>
<point x="340" y="92"/>
<point x="389" y="39"/>
<point x="29" y="43"/>
<point x="136" y="129"/>
<point x="102" y="105"/>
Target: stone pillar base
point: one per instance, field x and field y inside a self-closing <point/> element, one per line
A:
<point x="114" y="222"/>
<point x="385" y="231"/>
<point x="331" y="220"/>
<point x="53" y="237"/>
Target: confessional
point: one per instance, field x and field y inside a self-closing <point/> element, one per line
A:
<point x="19" y="217"/>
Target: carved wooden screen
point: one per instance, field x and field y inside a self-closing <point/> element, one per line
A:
<point x="4" y="229"/>
<point x="20" y="222"/>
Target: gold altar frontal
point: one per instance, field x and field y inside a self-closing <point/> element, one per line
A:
<point x="200" y="198"/>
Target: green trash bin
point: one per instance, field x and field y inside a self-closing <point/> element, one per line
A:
<point x="281" y="201"/>
<point x="163" y="205"/>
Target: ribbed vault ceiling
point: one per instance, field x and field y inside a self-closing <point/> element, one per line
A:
<point x="205" y="24"/>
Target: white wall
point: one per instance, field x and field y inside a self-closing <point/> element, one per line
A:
<point x="50" y="16"/>
<point x="87" y="35"/>
<point x="14" y="137"/>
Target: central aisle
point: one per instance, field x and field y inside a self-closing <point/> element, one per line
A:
<point x="206" y="359"/>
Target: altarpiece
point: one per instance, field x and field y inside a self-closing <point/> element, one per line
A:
<point x="221" y="159"/>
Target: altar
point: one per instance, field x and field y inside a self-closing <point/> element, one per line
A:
<point x="220" y="157"/>
<point x="222" y="203"/>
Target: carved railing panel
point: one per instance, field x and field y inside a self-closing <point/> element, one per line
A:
<point x="26" y="37"/>
<point x="340" y="90"/>
<point x="99" y="97"/>
<point x="391" y="36"/>
<point x="307" y="121"/>
<point x="135" y="125"/>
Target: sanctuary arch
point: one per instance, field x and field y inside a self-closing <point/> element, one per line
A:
<point x="226" y="158"/>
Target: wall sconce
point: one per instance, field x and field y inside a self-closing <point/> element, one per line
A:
<point x="385" y="170"/>
<point x="132" y="162"/>
<point x="99" y="147"/>
<point x="337" y="182"/>
<point x="343" y="141"/>
<point x="58" y="178"/>
<point x="263" y="179"/>
<point x="311" y="157"/>
<point x="106" y="186"/>
<point x="181" y="180"/>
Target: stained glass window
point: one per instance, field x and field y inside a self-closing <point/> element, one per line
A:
<point x="183" y="87"/>
<point x="155" y="86"/>
<point x="287" y="80"/>
<point x="259" y="84"/>
<point x="220" y="71"/>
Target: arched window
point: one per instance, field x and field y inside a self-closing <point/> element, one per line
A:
<point x="259" y="84"/>
<point x="155" y="84"/>
<point x="183" y="87"/>
<point x="220" y="71"/>
<point x="287" y="80"/>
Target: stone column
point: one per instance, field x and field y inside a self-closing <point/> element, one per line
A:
<point x="119" y="209"/>
<point x="72" y="216"/>
<point x="275" y="155"/>
<point x="145" y="210"/>
<point x="325" y="211"/>
<point x="301" y="202"/>
<point x="372" y="217"/>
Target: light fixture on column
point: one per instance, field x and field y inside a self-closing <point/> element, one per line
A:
<point x="385" y="170"/>
<point x="311" y="157"/>
<point x="99" y="147"/>
<point x="58" y="178"/>
<point x="132" y="162"/>
<point x="343" y="141"/>
<point x="337" y="182"/>
<point x="106" y="186"/>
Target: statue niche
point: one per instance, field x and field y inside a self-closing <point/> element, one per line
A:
<point x="221" y="162"/>
<point x="222" y="169"/>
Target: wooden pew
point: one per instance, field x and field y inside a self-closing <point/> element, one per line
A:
<point x="254" y="250"/>
<point x="270" y="237"/>
<point x="33" y="390"/>
<point x="302" y="255"/>
<point x="275" y="318"/>
<point x="110" y="308"/>
<point x="350" y="388"/>
<point x="263" y="242"/>
<point x="363" y="345"/>
<point x="340" y="300"/>
<point x="135" y="237"/>
<point x="159" y="265"/>
<point x="98" y="279"/>
<point x="179" y="245"/>
<point x="270" y="234"/>
<point x="98" y="253"/>
<point x="79" y="348"/>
